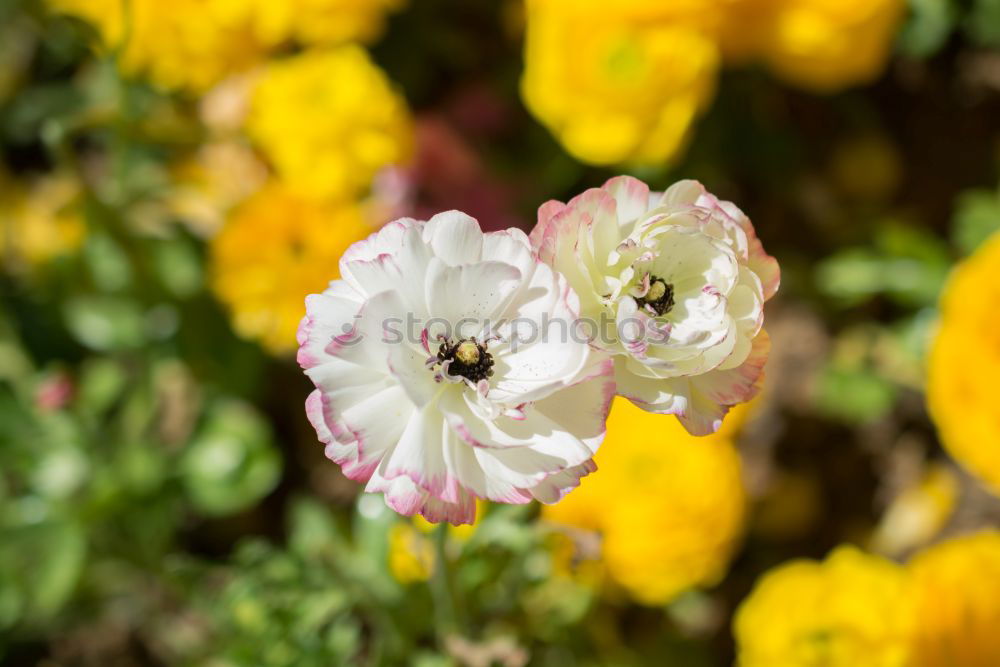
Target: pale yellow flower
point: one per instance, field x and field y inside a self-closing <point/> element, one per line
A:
<point x="918" y="513"/>
<point x="39" y="221"/>
<point x="668" y="507"/>
<point x="274" y="250"/>
<point x="329" y="121"/>
<point x="964" y="365"/>
<point x="208" y="184"/>
<point x="623" y="81"/>
<point x="957" y="586"/>
<point x="851" y="609"/>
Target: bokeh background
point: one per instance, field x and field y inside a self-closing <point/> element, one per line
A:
<point x="176" y="176"/>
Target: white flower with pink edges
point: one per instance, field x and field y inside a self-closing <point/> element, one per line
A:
<point x="683" y="278"/>
<point x="487" y="396"/>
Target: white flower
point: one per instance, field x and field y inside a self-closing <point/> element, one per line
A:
<point x="684" y="279"/>
<point x="469" y="403"/>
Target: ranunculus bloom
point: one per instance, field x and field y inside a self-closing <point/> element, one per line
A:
<point x="668" y="507"/>
<point x="957" y="585"/>
<point x="851" y="609"/>
<point x="964" y="364"/>
<point x="466" y="402"/>
<point x="684" y="279"/>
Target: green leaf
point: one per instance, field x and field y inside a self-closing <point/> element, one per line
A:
<point x="179" y="267"/>
<point x="976" y="218"/>
<point x="105" y="323"/>
<point x="107" y="262"/>
<point x="983" y="23"/>
<point x="851" y="275"/>
<point x="854" y="395"/>
<point x="312" y="530"/>
<point x="42" y="563"/>
<point x="231" y="464"/>
<point x="927" y="27"/>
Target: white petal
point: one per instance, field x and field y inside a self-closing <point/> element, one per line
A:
<point x="455" y="237"/>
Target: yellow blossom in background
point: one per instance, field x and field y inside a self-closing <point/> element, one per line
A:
<point x="851" y="609"/>
<point x="194" y="44"/>
<point x="411" y="554"/>
<point x="957" y="585"/>
<point x="826" y="45"/>
<point x="625" y="81"/>
<point x="274" y="249"/>
<point x="965" y="362"/>
<point x="668" y="506"/>
<point x="179" y="44"/>
<point x="329" y="120"/>
<point x="619" y="82"/>
<point x="411" y="548"/>
<point x="322" y="21"/>
<point x="39" y="221"/>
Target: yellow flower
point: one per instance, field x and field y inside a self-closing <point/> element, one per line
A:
<point x="826" y="45"/>
<point x="194" y="44"/>
<point x="411" y="554"/>
<point x="623" y="81"/>
<point x="411" y="549"/>
<point x="852" y="609"/>
<point x="275" y="249"/>
<point x="958" y="602"/>
<point x="669" y="507"/>
<point x="964" y="365"/>
<point x="329" y="120"/>
<point x="40" y="221"/>
<point x="178" y="44"/>
<point x="322" y="21"/>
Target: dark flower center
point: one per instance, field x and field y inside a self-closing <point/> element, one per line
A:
<point x="660" y="297"/>
<point x="469" y="359"/>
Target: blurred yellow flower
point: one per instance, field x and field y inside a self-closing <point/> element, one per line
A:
<point x="619" y="82"/>
<point x="826" y="45"/>
<point x="329" y="120"/>
<point x="322" y="21"/>
<point x="411" y="549"/>
<point x="965" y="362"/>
<point x="851" y="609"/>
<point x="196" y="43"/>
<point x="411" y="554"/>
<point x="668" y="506"/>
<point x="39" y="221"/>
<point x="624" y="81"/>
<point x="957" y="586"/>
<point x="179" y="44"/>
<point x="274" y="250"/>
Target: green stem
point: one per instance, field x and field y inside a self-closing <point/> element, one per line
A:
<point x="440" y="584"/>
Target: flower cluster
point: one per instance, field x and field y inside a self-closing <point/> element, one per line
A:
<point x="194" y="44"/>
<point x="667" y="508"/>
<point x="942" y="608"/>
<point x="299" y="123"/>
<point x="623" y="82"/>
<point x="493" y="388"/>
